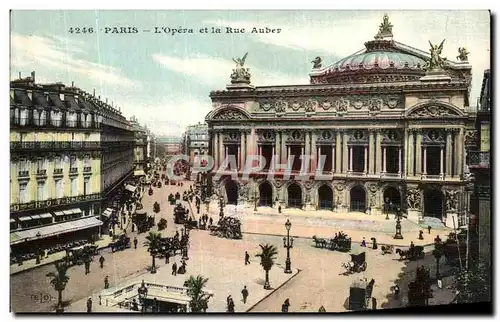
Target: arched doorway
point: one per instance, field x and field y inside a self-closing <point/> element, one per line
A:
<point x="358" y="199"/>
<point x="265" y="194"/>
<point x="294" y="196"/>
<point x="325" y="197"/>
<point x="232" y="192"/>
<point x="433" y="203"/>
<point x="392" y="199"/>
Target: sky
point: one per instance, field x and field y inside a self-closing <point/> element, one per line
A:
<point x="165" y="80"/>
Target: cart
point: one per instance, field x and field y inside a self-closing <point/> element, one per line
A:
<point x="357" y="263"/>
<point x="360" y="294"/>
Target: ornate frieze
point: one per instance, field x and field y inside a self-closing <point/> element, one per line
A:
<point x="433" y="136"/>
<point x="230" y="115"/>
<point x="336" y="103"/>
<point x="231" y="137"/>
<point x="451" y="197"/>
<point x="472" y="138"/>
<point x="325" y="137"/>
<point x="340" y="185"/>
<point x="358" y="136"/>
<point x="392" y="136"/>
<point x="295" y="136"/>
<point x="266" y="136"/>
<point x="432" y="111"/>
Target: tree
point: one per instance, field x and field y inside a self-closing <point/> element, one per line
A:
<point x="152" y="242"/>
<point x="267" y="257"/>
<point x="199" y="299"/>
<point x="59" y="280"/>
<point x="474" y="284"/>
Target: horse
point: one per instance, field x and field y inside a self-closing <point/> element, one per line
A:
<point x="403" y="254"/>
<point x="389" y="249"/>
<point x="349" y="267"/>
<point x="320" y="242"/>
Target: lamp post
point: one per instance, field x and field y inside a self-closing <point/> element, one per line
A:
<point x="386" y="208"/>
<point x="398" y="224"/>
<point x="143" y="293"/>
<point x="288" y="243"/>
<point x="255" y="199"/>
<point x="185" y="241"/>
<point x="221" y="207"/>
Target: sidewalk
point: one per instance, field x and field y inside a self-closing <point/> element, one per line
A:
<point x="223" y="280"/>
<point x="28" y="265"/>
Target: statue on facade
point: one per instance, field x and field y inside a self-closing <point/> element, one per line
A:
<point x="436" y="61"/>
<point x="451" y="200"/>
<point x="240" y="74"/>
<point x="463" y="54"/>
<point x="385" y="28"/>
<point x="413" y="198"/>
<point x="317" y="62"/>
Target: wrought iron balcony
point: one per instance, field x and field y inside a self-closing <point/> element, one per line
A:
<point x="41" y="172"/>
<point x="53" y="202"/>
<point x="56" y="145"/>
<point x="73" y="170"/>
<point x="479" y="159"/>
<point x="87" y="169"/>
<point x="23" y="174"/>
<point x="58" y="171"/>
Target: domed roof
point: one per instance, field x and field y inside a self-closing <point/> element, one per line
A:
<point x="378" y="59"/>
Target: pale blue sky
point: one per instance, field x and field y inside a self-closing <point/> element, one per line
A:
<point x="165" y="80"/>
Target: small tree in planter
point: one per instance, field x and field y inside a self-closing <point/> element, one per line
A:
<point x="195" y="286"/>
<point x="153" y="244"/>
<point x="267" y="257"/>
<point x="59" y="280"/>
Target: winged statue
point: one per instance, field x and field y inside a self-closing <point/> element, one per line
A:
<point x="463" y="54"/>
<point x="436" y="61"/>
<point x="317" y="62"/>
<point x="240" y="62"/>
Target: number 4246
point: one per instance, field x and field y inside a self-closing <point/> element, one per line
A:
<point x="78" y="30"/>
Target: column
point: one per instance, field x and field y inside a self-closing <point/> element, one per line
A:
<point x="418" y="154"/>
<point x="283" y="153"/>
<point x="459" y="156"/>
<point x="350" y="158"/>
<point x="221" y="149"/>
<point x="314" y="152"/>
<point x="307" y="151"/>
<point x="400" y="161"/>
<point x="441" y="161"/>
<point x="409" y="154"/>
<point x="425" y="161"/>
<point x="319" y="156"/>
<point x="449" y="153"/>
<point x="238" y="165"/>
<point x="243" y="149"/>
<point x="371" y="144"/>
<point x="338" y="153"/>
<point x="289" y="151"/>
<point x="271" y="165"/>
<point x="214" y="150"/>
<point x="277" y="147"/>
<point x="345" y="156"/>
<point x="302" y="161"/>
<point x="366" y="160"/>
<point x="260" y="150"/>
<point x="333" y="159"/>
<point x="378" y="153"/>
<point x="384" y="160"/>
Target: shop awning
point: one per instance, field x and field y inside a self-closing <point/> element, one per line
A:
<point x="25" y="218"/>
<point x="166" y="296"/>
<point x="130" y="188"/>
<point x="52" y="230"/>
<point x="73" y="211"/>
<point x="107" y="212"/>
<point x="58" y="213"/>
<point x="139" y="173"/>
<point x="47" y="215"/>
<point x="35" y="217"/>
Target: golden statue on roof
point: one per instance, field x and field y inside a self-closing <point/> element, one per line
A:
<point x="385" y="28"/>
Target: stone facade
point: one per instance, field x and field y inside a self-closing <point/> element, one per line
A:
<point x="394" y="131"/>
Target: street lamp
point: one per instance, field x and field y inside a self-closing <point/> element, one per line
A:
<point x="398" y="224"/>
<point x="143" y="293"/>
<point x="386" y="208"/>
<point x="288" y="243"/>
<point x="255" y="198"/>
<point x="221" y="208"/>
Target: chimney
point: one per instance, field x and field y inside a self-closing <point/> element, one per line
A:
<point x="72" y="84"/>
<point x="106" y="100"/>
<point x="94" y="93"/>
<point x="112" y="103"/>
<point x="33" y="76"/>
<point x="19" y="75"/>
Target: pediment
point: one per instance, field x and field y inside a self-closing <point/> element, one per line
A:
<point x="230" y="115"/>
<point x="433" y="110"/>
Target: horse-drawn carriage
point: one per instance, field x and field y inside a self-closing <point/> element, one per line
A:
<point x="142" y="221"/>
<point x="360" y="294"/>
<point x="228" y="227"/>
<point x="172" y="245"/>
<point x="121" y="243"/>
<point x="340" y="242"/>
<point x="357" y="263"/>
<point x="413" y="253"/>
<point x="78" y="255"/>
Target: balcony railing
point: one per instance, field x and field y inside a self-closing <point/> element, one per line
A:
<point x="87" y="169"/>
<point x="53" y="202"/>
<point x="58" y="171"/>
<point x="41" y="172"/>
<point x="479" y="159"/>
<point x="53" y="145"/>
<point x="73" y="170"/>
<point x="23" y="174"/>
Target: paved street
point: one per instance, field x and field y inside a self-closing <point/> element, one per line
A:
<point x="319" y="283"/>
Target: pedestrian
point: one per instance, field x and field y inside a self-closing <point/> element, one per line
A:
<point x="106" y="282"/>
<point x="396" y="292"/>
<point x="374" y="303"/>
<point x="135" y="242"/>
<point x="167" y="257"/>
<point x="87" y="266"/>
<point x="100" y="300"/>
<point x="230" y="305"/>
<point x="429" y="229"/>
<point x="437" y="240"/>
<point x="279" y="209"/>
<point x="101" y="261"/>
<point x="133" y="227"/>
<point x="89" y="305"/>
<point x="247" y="258"/>
<point x="285" y="306"/>
<point x="210" y="222"/>
<point x="174" y="269"/>
<point x="363" y="243"/>
<point x="421" y="235"/>
<point x="244" y="293"/>
<point x="439" y="280"/>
